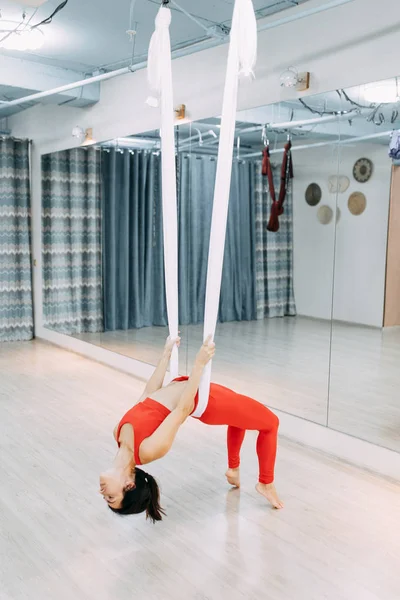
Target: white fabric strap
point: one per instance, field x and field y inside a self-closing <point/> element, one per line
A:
<point x="159" y="72"/>
<point x="242" y="57"/>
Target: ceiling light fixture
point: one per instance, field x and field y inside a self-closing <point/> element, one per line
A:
<point x="18" y="36"/>
<point x="382" y="92"/>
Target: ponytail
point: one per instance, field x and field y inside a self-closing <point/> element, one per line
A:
<point x="144" y="497"/>
<point x="154" y="512"/>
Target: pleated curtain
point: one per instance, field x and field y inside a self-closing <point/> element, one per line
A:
<point x="107" y="273"/>
<point x="16" y="313"/>
<point x="274" y="252"/>
<point x="197" y="179"/>
<point x="133" y="255"/>
<point x="71" y="227"/>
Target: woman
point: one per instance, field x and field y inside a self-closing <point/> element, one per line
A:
<point x="147" y="431"/>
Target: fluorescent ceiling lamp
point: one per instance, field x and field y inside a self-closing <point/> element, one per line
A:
<point x="382" y="92"/>
<point x="23" y="39"/>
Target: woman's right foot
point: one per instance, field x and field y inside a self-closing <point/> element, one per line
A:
<point x="233" y="477"/>
<point x="269" y="492"/>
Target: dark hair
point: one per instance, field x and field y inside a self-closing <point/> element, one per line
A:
<point x="145" y="496"/>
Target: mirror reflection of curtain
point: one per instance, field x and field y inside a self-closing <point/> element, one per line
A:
<point x="196" y="200"/>
<point x="16" y="315"/>
<point x="133" y="267"/>
<point x="257" y="273"/>
<point x="274" y="252"/>
<point x="71" y="204"/>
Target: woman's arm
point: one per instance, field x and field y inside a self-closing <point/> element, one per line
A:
<point x="156" y="380"/>
<point x="159" y="443"/>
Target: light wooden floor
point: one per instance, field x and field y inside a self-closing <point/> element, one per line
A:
<point x="337" y="539"/>
<point x="286" y="364"/>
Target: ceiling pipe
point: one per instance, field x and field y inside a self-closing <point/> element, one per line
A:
<point x="362" y="138"/>
<point x="64" y="88"/>
<point x="103" y="77"/>
<point x="175" y="54"/>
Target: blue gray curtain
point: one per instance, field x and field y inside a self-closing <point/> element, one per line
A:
<point x="133" y="268"/>
<point x="16" y="314"/>
<point x="257" y="273"/>
<point x="71" y="225"/>
<point x="238" y="293"/>
<point x="274" y="253"/>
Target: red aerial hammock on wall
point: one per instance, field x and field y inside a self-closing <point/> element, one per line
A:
<point x="286" y="176"/>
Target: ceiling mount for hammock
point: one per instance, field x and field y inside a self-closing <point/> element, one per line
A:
<point x="159" y="73"/>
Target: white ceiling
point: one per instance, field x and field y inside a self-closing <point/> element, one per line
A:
<point x="89" y="34"/>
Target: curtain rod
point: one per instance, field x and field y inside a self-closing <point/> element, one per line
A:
<point x="320" y="144"/>
<point x="9" y="136"/>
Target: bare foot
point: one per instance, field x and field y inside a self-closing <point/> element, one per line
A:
<point x="269" y="492"/>
<point x="233" y="477"/>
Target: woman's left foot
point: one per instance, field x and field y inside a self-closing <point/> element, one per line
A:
<point x="233" y="477"/>
<point x="269" y="492"/>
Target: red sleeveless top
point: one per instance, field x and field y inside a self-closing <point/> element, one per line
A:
<point x="145" y="418"/>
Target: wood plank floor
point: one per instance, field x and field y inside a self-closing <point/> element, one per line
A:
<point x="337" y="539"/>
<point x="286" y="364"/>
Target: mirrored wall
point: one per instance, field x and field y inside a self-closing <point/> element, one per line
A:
<point x="309" y="320"/>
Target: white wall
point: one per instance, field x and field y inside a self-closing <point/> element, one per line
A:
<point x="313" y="243"/>
<point x="360" y="248"/>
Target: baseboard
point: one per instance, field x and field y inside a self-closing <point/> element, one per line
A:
<point x="340" y="445"/>
<point x="106" y="357"/>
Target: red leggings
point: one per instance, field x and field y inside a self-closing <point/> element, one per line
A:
<point x="240" y="413"/>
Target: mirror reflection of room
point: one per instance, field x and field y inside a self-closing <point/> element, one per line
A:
<point x="365" y="330"/>
<point x="265" y="338"/>
<point x="304" y="292"/>
<point x="103" y="245"/>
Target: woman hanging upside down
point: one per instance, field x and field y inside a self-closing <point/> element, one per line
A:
<point x="147" y="431"/>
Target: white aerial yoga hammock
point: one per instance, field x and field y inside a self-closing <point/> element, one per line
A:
<point x="241" y="60"/>
<point x="159" y="72"/>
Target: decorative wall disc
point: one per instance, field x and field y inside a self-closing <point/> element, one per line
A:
<point x="325" y="215"/>
<point x="338" y="184"/>
<point x="313" y="194"/>
<point x="362" y="170"/>
<point x="357" y="203"/>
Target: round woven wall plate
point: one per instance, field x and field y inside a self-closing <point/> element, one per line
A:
<point x="325" y="215"/>
<point x="313" y="194"/>
<point x="338" y="184"/>
<point x="357" y="203"/>
<point x="362" y="170"/>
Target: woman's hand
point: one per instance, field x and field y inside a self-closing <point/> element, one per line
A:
<point x="206" y="352"/>
<point x="170" y="343"/>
